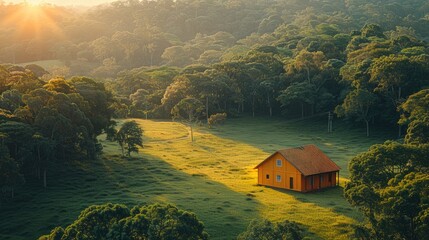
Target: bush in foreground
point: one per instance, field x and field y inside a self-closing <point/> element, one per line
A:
<point x="117" y="222"/>
<point x="264" y="229"/>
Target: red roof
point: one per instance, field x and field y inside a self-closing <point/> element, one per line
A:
<point x="308" y="159"/>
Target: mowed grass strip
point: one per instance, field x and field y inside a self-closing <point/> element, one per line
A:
<point x="212" y="177"/>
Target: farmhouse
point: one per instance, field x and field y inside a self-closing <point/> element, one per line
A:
<point x="301" y="169"/>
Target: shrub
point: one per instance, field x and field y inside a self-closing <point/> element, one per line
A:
<point x="217" y="118"/>
<point x="114" y="221"/>
<point x="264" y="229"/>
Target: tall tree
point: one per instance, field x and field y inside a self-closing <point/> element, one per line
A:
<point x="129" y="137"/>
<point x="10" y="175"/>
<point x="298" y="93"/>
<point x="359" y="104"/>
<point x="189" y="110"/>
<point x="415" y="114"/>
<point x="389" y="184"/>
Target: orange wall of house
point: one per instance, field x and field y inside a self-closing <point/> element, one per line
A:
<point x="319" y="181"/>
<point x="286" y="172"/>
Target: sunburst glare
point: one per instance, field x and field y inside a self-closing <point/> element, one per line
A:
<point x="33" y="20"/>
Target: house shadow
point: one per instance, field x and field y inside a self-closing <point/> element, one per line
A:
<point x="329" y="198"/>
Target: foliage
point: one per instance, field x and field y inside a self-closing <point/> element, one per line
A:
<point x="49" y="122"/>
<point x="189" y="109"/>
<point x="129" y="137"/>
<point x="415" y="113"/>
<point x="265" y="229"/>
<point x="10" y="177"/>
<point x="358" y="103"/>
<point x="217" y="118"/>
<point x="389" y="183"/>
<point x="114" y="221"/>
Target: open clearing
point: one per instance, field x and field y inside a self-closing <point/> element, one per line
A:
<point x="213" y="177"/>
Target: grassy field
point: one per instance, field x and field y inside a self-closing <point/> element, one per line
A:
<point x="46" y="64"/>
<point x="213" y="177"/>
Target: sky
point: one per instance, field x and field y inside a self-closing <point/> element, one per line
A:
<point x="62" y="2"/>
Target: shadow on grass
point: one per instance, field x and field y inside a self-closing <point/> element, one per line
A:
<point x="35" y="211"/>
<point x="329" y="198"/>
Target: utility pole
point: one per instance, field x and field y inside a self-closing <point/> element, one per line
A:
<point x="330" y="117"/>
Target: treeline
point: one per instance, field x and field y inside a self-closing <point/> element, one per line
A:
<point x="390" y="182"/>
<point x="47" y="123"/>
<point x="364" y="75"/>
<point x="126" y="34"/>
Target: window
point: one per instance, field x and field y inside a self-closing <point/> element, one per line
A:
<point x="291" y="183"/>
<point x="279" y="162"/>
<point x="267" y="176"/>
<point x="311" y="181"/>
<point x="279" y="178"/>
<point x="321" y="178"/>
<point x="330" y="177"/>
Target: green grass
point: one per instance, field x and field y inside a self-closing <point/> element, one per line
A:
<point x="213" y="177"/>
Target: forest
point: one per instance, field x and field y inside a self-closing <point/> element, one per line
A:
<point x="67" y="74"/>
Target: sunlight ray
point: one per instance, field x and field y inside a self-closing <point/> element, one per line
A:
<point x="33" y="21"/>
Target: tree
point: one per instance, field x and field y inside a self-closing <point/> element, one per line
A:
<point x="10" y="175"/>
<point x="128" y="42"/>
<point x="99" y="100"/>
<point x="117" y="222"/>
<point x="405" y="201"/>
<point x="309" y="62"/>
<point x="302" y="93"/>
<point x="415" y="107"/>
<point x="217" y="118"/>
<point x="140" y="103"/>
<point x="265" y="229"/>
<point x="129" y="137"/>
<point x="60" y="85"/>
<point x="18" y="140"/>
<point x="396" y="77"/>
<point x="81" y="128"/>
<point x="389" y="184"/>
<point x="44" y="149"/>
<point x="372" y="30"/>
<point x="418" y="131"/>
<point x="358" y="103"/>
<point x="176" y="91"/>
<point x="189" y="110"/>
<point x="415" y="113"/>
<point x="176" y="56"/>
<point x="11" y="100"/>
<point x="37" y="99"/>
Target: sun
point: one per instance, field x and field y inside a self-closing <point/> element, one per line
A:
<point x="32" y="20"/>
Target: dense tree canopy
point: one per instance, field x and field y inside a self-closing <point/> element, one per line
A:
<point x="114" y="221"/>
<point x="390" y="182"/>
<point x="49" y="122"/>
<point x="265" y="229"/>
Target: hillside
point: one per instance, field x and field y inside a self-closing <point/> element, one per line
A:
<point x="213" y="177"/>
